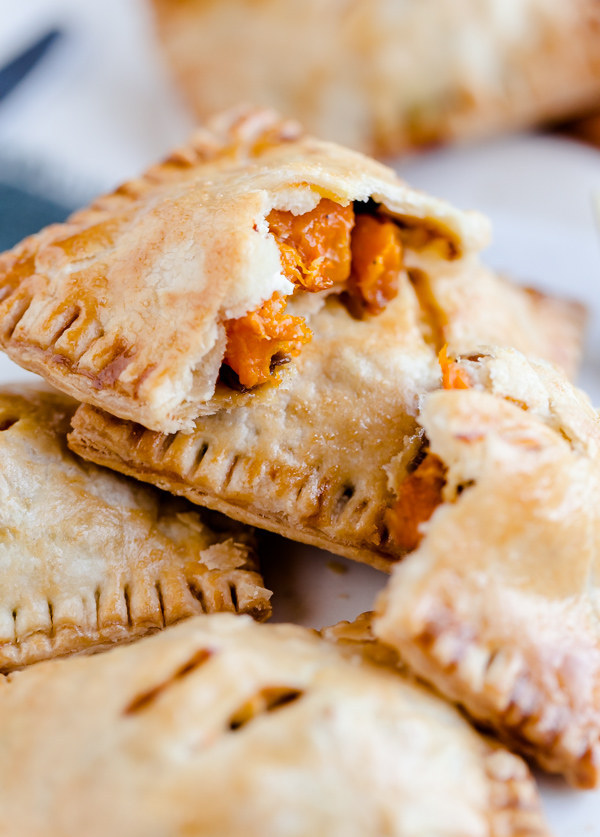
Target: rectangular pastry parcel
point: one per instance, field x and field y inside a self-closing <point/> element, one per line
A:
<point x="90" y="559"/>
<point x="160" y="300"/>
<point x="255" y="321"/>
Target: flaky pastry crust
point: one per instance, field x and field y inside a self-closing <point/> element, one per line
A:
<point x="220" y="726"/>
<point x="388" y="75"/>
<point x="497" y="607"/>
<point x="89" y="558"/>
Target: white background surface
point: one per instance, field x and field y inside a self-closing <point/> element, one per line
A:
<point x="99" y="109"/>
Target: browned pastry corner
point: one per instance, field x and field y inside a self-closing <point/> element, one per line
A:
<point x="219" y="726"/>
<point x="388" y="75"/>
<point x="88" y="558"/>
<point x="497" y="606"/>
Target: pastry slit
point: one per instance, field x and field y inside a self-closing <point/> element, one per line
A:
<point x="347" y="504"/>
<point x="163" y="443"/>
<point x="52" y="629"/>
<point x="15" y="314"/>
<point x="71" y="346"/>
<point x="147" y="698"/>
<point x="97" y="603"/>
<point x="230" y="471"/>
<point x="345" y="497"/>
<point x="266" y="700"/>
<point x="234" y="596"/>
<point x="127" y="599"/>
<point x="199" y="457"/>
<point x="90" y="334"/>
<point x="198" y="593"/>
<point x="383" y="535"/>
<point x="161" y="604"/>
<point x="63" y="322"/>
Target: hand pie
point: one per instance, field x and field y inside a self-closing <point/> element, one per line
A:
<point x="222" y="727"/>
<point x="205" y="276"/>
<point x="497" y="607"/>
<point x="387" y="75"/>
<point x="321" y="457"/>
<point x="88" y="558"/>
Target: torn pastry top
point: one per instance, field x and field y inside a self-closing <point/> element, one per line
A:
<point x="499" y="381"/>
<point x="498" y="605"/>
<point x="144" y="301"/>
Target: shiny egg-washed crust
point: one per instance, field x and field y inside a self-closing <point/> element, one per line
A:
<point x="124" y="305"/>
<point x="221" y="726"/>
<point x="498" y="606"/>
<point x="388" y="75"/>
<point x="89" y="558"/>
<point x="318" y="458"/>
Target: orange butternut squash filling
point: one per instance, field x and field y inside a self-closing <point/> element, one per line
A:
<point x="453" y="377"/>
<point x="253" y="341"/>
<point x="327" y="246"/>
<point x="420" y="494"/>
<point x="376" y="262"/>
<point x="315" y="247"/>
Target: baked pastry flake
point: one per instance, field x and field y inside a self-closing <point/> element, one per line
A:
<point x="220" y="726"/>
<point x="88" y="558"/>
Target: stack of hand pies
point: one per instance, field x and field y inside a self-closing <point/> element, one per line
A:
<point x="279" y="330"/>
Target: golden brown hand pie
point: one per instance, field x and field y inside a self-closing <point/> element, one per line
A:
<point x="222" y="727"/>
<point x="498" y="606"/>
<point x="387" y="75"/>
<point x="320" y="458"/>
<point x="207" y="275"/>
<point x="88" y="558"/>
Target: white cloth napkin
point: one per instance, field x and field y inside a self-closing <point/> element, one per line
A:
<point x="97" y="108"/>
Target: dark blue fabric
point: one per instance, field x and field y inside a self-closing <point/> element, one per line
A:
<point x="22" y="213"/>
<point x="16" y="70"/>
